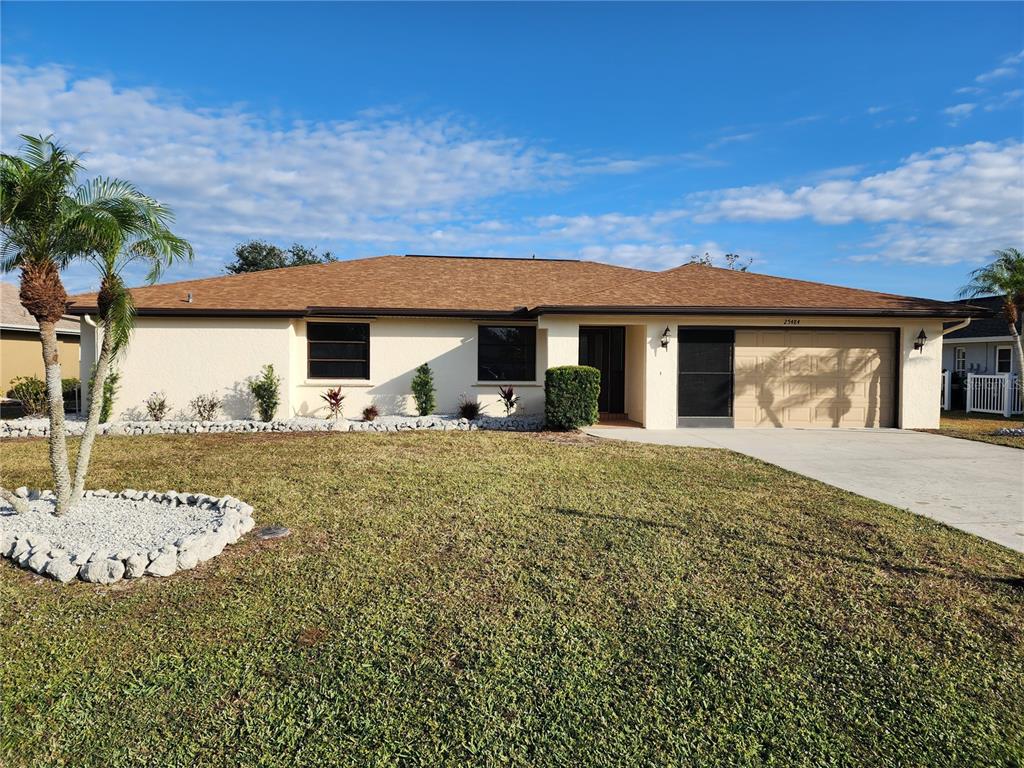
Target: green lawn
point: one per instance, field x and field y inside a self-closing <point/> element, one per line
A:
<point x="494" y="599"/>
<point x="978" y="426"/>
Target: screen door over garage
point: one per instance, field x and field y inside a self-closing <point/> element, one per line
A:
<point x="705" y="376"/>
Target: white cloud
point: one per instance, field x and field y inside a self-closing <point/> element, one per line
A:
<point x="734" y="138"/>
<point x="1008" y="99"/>
<point x="803" y="120"/>
<point x="876" y="110"/>
<point x="948" y="204"/>
<point x="971" y="90"/>
<point x="995" y="74"/>
<point x="959" y="112"/>
<point x="1014" y="58"/>
<point x="379" y="178"/>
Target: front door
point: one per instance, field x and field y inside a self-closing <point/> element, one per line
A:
<point x="604" y="348"/>
<point x="705" y="377"/>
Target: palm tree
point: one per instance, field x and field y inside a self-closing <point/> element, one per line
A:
<point x="1003" y="277"/>
<point x="47" y="221"/>
<point x="143" y="236"/>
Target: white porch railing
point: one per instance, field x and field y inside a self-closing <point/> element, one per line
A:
<point x="998" y="393"/>
<point x="947" y="390"/>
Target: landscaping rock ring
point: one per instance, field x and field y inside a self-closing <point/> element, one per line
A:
<point x="113" y="535"/>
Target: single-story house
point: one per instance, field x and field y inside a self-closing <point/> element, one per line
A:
<point x="20" y="352"/>
<point x="693" y="345"/>
<point x="984" y="346"/>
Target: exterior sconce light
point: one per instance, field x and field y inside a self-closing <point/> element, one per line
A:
<point x="919" y="342"/>
<point x="665" y="337"/>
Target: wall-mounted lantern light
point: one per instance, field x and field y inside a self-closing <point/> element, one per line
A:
<point x="919" y="342"/>
<point x="665" y="337"/>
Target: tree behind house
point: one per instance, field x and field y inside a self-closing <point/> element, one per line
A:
<point x="258" y="255"/>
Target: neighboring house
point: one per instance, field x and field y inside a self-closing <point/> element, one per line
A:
<point x="687" y="346"/>
<point x="20" y="350"/>
<point x="984" y="346"/>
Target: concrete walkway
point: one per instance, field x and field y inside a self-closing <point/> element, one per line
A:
<point x="973" y="486"/>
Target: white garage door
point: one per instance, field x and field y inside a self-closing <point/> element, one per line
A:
<point x="812" y="378"/>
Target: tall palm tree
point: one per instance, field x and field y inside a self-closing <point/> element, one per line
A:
<point x="1004" y="277"/>
<point x="143" y="236"/>
<point x="47" y="221"/>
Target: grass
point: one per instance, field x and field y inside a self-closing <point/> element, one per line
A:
<point x="494" y="599"/>
<point x="977" y="426"/>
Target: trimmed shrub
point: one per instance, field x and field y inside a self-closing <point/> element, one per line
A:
<point x="205" y="407"/>
<point x="423" y="390"/>
<point x="265" y="390"/>
<point x="32" y="394"/>
<point x="70" y="387"/>
<point x="370" y="413"/>
<point x="157" y="406"/>
<point x="570" y="396"/>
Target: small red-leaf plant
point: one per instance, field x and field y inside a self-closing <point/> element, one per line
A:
<point x="509" y="398"/>
<point x="334" y="399"/>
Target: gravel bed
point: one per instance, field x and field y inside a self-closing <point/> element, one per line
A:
<point x="26" y="427"/>
<point x="1010" y="432"/>
<point x="110" y="536"/>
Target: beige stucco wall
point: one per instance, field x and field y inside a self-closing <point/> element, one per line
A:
<point x="397" y="347"/>
<point x="21" y="355"/>
<point x="636" y="355"/>
<point x="919" y="375"/>
<point x="185" y="357"/>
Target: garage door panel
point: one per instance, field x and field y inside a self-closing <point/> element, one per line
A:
<point x="812" y="378"/>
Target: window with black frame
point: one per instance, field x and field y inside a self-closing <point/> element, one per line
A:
<point x="338" y="350"/>
<point x="507" y="353"/>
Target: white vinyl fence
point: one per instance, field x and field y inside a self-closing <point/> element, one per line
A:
<point x="947" y="390"/>
<point x="996" y="393"/>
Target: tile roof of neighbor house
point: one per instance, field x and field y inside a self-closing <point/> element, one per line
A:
<point x="985" y="327"/>
<point x="453" y="285"/>
<point x="13" y="316"/>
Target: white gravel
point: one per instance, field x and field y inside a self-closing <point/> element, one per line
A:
<point x="126" y="534"/>
<point x="15" y="428"/>
<point x="109" y="524"/>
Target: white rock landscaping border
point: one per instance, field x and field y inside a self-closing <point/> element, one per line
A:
<point x="16" y="428"/>
<point x="38" y="553"/>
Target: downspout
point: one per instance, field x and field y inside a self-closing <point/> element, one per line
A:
<point x="83" y="383"/>
<point x="963" y="324"/>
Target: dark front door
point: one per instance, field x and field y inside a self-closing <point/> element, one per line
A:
<point x="705" y="376"/>
<point x="604" y="348"/>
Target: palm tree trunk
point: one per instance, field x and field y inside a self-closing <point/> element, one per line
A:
<point x="92" y="422"/>
<point x="1020" y="358"/>
<point x="58" y="437"/>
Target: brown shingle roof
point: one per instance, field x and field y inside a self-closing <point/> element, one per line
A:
<point x="459" y="285"/>
<point x="15" y="316"/>
<point x="386" y="283"/>
<point x="696" y="288"/>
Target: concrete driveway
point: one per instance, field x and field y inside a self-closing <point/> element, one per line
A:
<point x="976" y="487"/>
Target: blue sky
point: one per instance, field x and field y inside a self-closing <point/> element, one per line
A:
<point x="873" y="145"/>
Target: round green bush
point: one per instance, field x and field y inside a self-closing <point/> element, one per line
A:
<point x="570" y="396"/>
